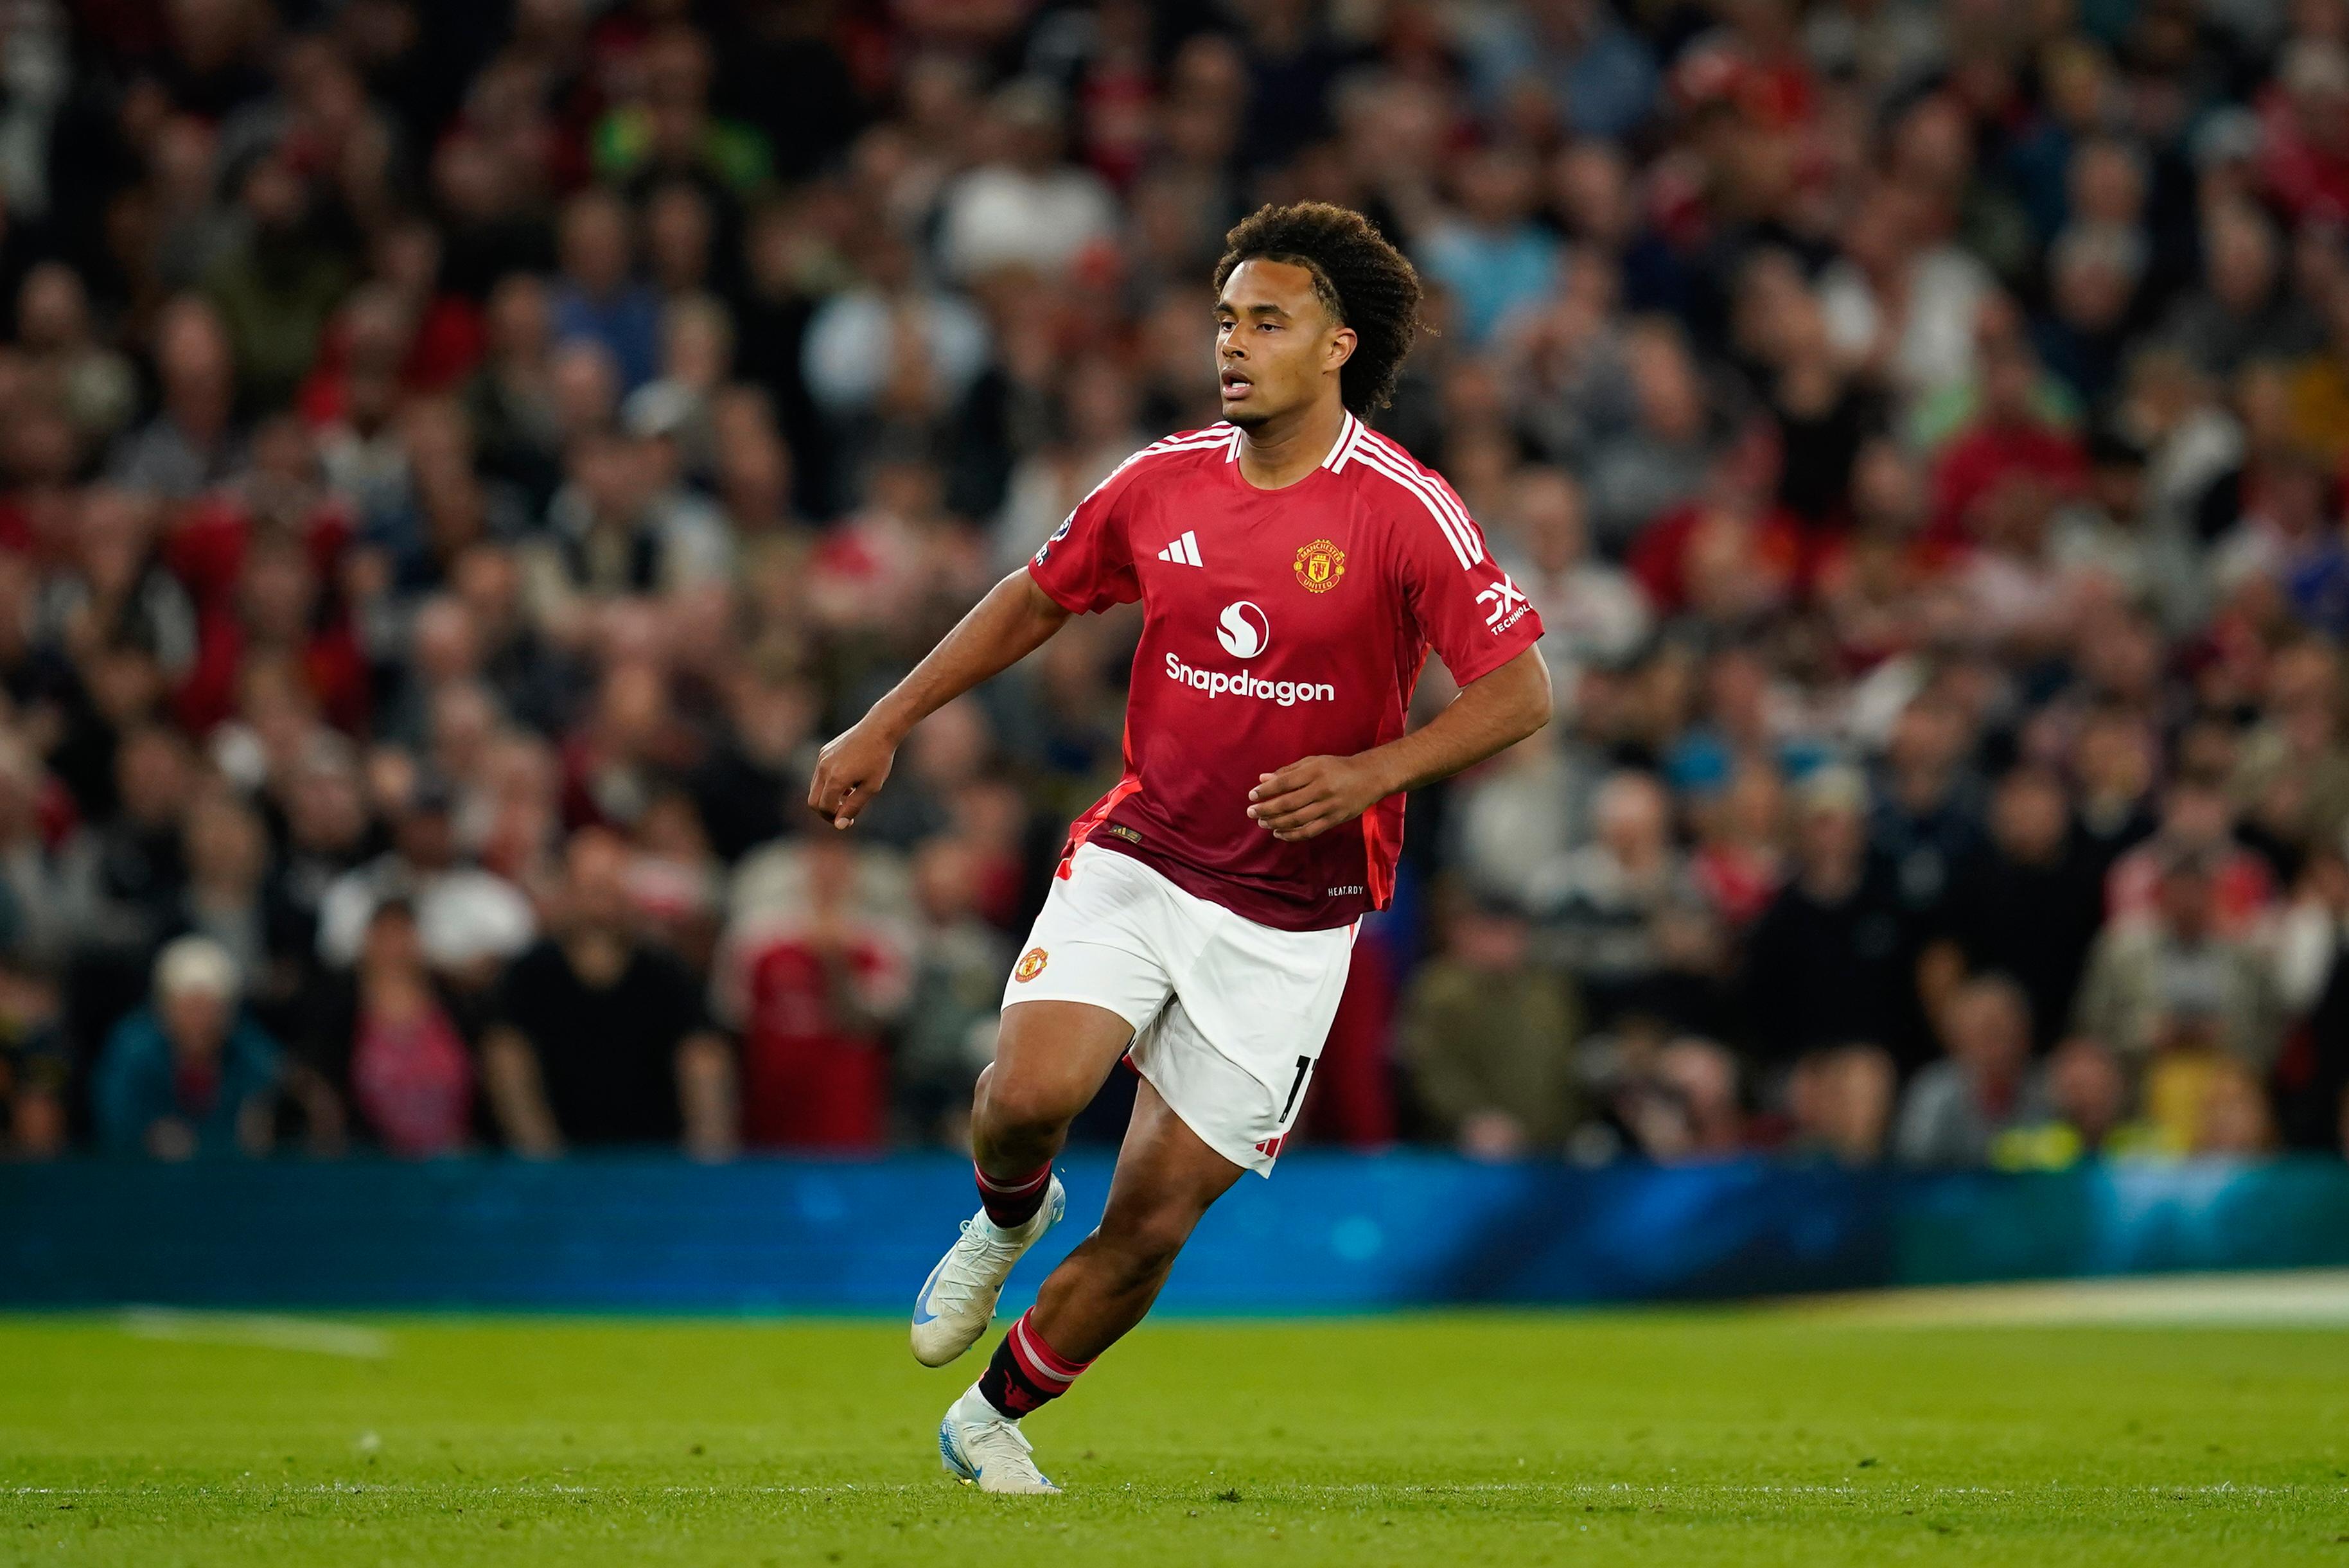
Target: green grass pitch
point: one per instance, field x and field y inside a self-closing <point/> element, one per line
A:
<point x="1730" y="1437"/>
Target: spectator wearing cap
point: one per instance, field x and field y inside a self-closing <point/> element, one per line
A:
<point x="187" y="1076"/>
<point x="598" y="1039"/>
<point x="470" y="920"/>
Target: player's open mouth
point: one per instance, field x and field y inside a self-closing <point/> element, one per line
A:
<point x="1237" y="385"/>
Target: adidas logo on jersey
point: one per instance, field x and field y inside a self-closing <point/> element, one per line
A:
<point x="1184" y="552"/>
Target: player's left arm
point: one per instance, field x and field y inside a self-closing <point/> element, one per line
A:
<point x="1492" y="714"/>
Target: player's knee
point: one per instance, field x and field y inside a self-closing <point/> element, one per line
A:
<point x="1018" y="1110"/>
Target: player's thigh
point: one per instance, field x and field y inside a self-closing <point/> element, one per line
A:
<point x="1049" y="1060"/>
<point x="1167" y="1176"/>
<point x="1095" y="968"/>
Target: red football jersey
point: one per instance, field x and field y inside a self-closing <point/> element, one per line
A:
<point x="1277" y="624"/>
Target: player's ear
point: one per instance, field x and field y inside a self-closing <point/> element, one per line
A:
<point x="1342" y="348"/>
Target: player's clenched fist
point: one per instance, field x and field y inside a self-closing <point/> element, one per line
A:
<point x="849" y="771"/>
<point x="1314" y="794"/>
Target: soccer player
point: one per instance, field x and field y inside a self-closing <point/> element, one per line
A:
<point x="1294" y="568"/>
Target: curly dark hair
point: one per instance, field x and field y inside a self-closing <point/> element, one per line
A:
<point x="1363" y="282"/>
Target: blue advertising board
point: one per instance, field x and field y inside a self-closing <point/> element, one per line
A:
<point x="1332" y="1232"/>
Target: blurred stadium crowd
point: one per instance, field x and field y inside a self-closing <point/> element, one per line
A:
<point x="461" y="460"/>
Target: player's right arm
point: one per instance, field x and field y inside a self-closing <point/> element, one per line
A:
<point x="1012" y="621"/>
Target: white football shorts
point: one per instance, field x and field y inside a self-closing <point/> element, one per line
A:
<point x="1228" y="1016"/>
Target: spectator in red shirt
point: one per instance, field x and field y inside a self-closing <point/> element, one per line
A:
<point x="277" y="616"/>
<point x="410" y="1073"/>
<point x="815" y="975"/>
<point x="2008" y="439"/>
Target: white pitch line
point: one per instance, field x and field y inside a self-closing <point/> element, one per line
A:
<point x="257" y="1329"/>
<point x="1270" y="1492"/>
<point x="2297" y="1298"/>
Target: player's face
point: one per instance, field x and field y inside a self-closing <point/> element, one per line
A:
<point x="1276" y="349"/>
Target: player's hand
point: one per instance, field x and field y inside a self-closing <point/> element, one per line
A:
<point x="849" y="771"/>
<point x="1314" y="794"/>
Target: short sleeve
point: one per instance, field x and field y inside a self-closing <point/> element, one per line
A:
<point x="518" y="999"/>
<point x="1470" y="611"/>
<point x="1086" y="564"/>
<point x="684" y="1010"/>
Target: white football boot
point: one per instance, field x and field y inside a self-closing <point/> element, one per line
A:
<point x="958" y="1301"/>
<point x="980" y="1447"/>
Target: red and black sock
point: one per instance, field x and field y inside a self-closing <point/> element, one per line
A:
<point x="1025" y="1371"/>
<point x="1011" y="1204"/>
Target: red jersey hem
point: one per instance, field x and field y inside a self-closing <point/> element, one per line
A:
<point x="1279" y="914"/>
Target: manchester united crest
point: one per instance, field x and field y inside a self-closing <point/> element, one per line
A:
<point x="1319" y="565"/>
<point x="1031" y="964"/>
